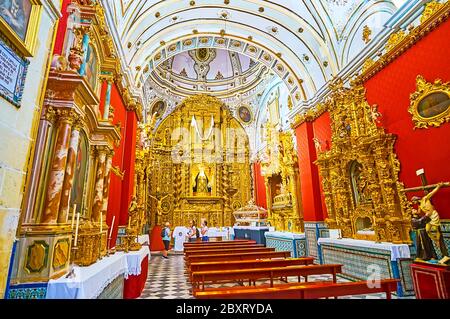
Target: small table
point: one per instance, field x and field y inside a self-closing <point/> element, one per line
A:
<point x="431" y="281"/>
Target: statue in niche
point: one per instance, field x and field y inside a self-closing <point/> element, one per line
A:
<point x="359" y="183"/>
<point x="202" y="184"/>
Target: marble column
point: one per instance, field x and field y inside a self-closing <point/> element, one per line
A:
<point x="97" y="204"/>
<point x="107" y="100"/>
<point x="42" y="147"/>
<point x="106" y="181"/>
<point x="70" y="171"/>
<point x="58" y="166"/>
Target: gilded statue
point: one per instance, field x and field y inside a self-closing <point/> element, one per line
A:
<point x="432" y="225"/>
<point x="158" y="207"/>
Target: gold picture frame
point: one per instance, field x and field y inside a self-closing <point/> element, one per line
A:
<point x="19" y="23"/>
<point x="430" y="104"/>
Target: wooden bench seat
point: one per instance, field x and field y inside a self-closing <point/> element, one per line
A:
<point x="300" y="290"/>
<point x="242" y="256"/>
<point x="232" y="250"/>
<point x="225" y="242"/>
<point x="199" y="278"/>
<point x="240" y="245"/>
<point x="248" y="264"/>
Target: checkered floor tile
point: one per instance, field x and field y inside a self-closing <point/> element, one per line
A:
<point x="167" y="279"/>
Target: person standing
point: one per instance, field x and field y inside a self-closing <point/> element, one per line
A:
<point x="204" y="231"/>
<point x="166" y="232"/>
<point x="193" y="233"/>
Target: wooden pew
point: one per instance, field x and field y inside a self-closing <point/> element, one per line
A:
<point x="248" y="264"/>
<point x="233" y="250"/>
<point x="199" y="278"/>
<point x="243" y="245"/>
<point x="225" y="242"/>
<point x="243" y="256"/>
<point x="313" y="290"/>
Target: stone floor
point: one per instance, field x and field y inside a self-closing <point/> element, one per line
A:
<point x="167" y="280"/>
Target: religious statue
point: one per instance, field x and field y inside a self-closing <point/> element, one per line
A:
<point x="317" y="144"/>
<point x="375" y="115"/>
<point x="424" y="245"/>
<point x="158" y="207"/>
<point x="432" y="227"/>
<point x="132" y="213"/>
<point x="201" y="183"/>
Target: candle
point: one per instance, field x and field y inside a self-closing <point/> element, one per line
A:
<point x="112" y="226"/>
<point x="73" y="214"/>
<point x="76" y="230"/>
<point x="101" y="222"/>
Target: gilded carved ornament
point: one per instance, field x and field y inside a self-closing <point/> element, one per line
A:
<point x="430" y="104"/>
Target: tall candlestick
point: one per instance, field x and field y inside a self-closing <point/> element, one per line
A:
<point x="101" y="222"/>
<point x="112" y="226"/>
<point x="76" y="230"/>
<point x="73" y="214"/>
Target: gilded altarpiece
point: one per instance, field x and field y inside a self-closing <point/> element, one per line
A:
<point x="281" y="177"/>
<point x="360" y="171"/>
<point x="199" y="165"/>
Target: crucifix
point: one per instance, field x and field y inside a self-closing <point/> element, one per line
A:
<point x="430" y="221"/>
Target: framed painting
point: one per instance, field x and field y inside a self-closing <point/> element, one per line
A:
<point x="19" y="22"/>
<point x="245" y="114"/>
<point x="430" y="104"/>
<point x="159" y="108"/>
<point x="91" y="67"/>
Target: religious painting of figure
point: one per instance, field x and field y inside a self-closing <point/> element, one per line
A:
<point x="433" y="105"/>
<point x="202" y="184"/>
<point x="245" y="114"/>
<point x="91" y="67"/>
<point x="159" y="108"/>
<point x="359" y="183"/>
<point x="16" y="14"/>
<point x="76" y="196"/>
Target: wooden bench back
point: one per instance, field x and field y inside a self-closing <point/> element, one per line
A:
<point x="240" y="245"/>
<point x="301" y="290"/>
<point x="225" y="242"/>
<point x="233" y="250"/>
<point x="242" y="256"/>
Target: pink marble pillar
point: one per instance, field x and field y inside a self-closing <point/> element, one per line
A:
<point x="70" y="171"/>
<point x="106" y="183"/>
<point x="58" y="167"/>
<point x="97" y="204"/>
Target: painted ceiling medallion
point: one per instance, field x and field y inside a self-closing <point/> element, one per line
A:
<point x="187" y="43"/>
<point x="224" y="14"/>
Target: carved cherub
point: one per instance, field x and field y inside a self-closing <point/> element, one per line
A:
<point x="317" y="144"/>
<point x="375" y="115"/>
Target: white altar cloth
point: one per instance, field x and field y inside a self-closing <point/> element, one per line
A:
<point x="397" y="250"/>
<point x="286" y="235"/>
<point x="144" y="239"/>
<point x="90" y="281"/>
<point x="134" y="261"/>
<point x="216" y="232"/>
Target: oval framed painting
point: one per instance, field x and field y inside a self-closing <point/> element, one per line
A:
<point x="159" y="107"/>
<point x="430" y="104"/>
<point x="244" y="114"/>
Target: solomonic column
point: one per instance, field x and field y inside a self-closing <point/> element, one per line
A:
<point x="58" y="166"/>
<point x="97" y="204"/>
<point x="70" y="171"/>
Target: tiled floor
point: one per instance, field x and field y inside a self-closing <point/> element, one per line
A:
<point x="167" y="280"/>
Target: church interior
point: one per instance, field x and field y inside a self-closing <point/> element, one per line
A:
<point x="233" y="149"/>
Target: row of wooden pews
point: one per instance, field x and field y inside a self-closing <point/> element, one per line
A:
<point x="244" y="261"/>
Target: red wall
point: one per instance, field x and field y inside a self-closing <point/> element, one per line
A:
<point x="259" y="186"/>
<point x="115" y="190"/>
<point x="391" y="89"/>
<point x="309" y="173"/>
<point x="322" y="130"/>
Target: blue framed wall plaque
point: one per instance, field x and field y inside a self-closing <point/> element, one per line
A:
<point x="13" y="71"/>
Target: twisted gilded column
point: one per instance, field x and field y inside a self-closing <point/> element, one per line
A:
<point x="58" y="166"/>
<point x="69" y="173"/>
<point x="97" y="204"/>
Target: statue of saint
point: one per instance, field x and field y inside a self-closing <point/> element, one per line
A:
<point x="424" y="245"/>
<point x="201" y="185"/>
<point x="432" y="227"/>
<point x="132" y="213"/>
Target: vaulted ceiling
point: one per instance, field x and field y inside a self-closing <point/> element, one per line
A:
<point x="303" y="42"/>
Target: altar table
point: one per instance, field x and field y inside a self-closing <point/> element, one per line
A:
<point x="286" y="241"/>
<point x="89" y="282"/>
<point x="255" y="233"/>
<point x="364" y="259"/>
